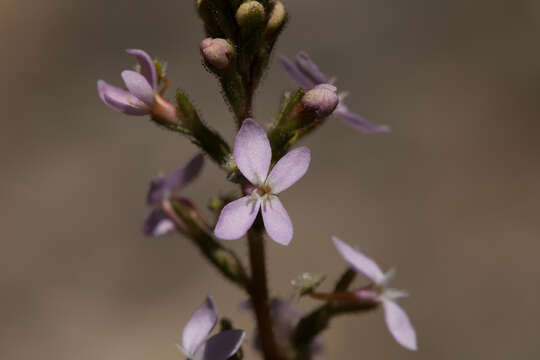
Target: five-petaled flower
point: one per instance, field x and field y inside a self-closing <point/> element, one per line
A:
<point x="307" y="75"/>
<point x="219" y="347"/>
<point x="396" y="319"/>
<point x="253" y="156"/>
<point x="141" y="96"/>
<point x="162" y="189"/>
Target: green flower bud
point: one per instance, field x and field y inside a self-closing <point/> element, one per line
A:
<point x="250" y="13"/>
<point x="277" y="17"/>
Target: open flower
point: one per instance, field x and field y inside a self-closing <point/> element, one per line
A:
<point x="307" y="75"/>
<point x="219" y="347"/>
<point x="253" y="156"/>
<point x="162" y="189"/>
<point x="141" y="96"/>
<point x="396" y="319"/>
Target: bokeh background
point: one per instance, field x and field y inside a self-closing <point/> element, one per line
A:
<point x="450" y="198"/>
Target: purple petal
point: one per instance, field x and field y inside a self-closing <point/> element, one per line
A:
<point x="178" y="180"/>
<point x="155" y="193"/>
<point x="277" y="223"/>
<point x="157" y="223"/>
<point x="121" y="100"/>
<point x="199" y="326"/>
<point x="295" y="74"/>
<point x="148" y="69"/>
<point x="221" y="346"/>
<point x="289" y="169"/>
<point x="252" y="152"/>
<point x="139" y="86"/>
<point x="309" y="68"/>
<point x="399" y="324"/>
<point x="359" y="261"/>
<point x="236" y="218"/>
<point x="357" y="121"/>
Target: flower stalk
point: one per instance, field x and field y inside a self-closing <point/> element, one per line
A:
<point x="258" y="290"/>
<point x="218" y="255"/>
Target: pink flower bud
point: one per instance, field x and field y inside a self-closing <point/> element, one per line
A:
<point x="217" y="52"/>
<point x="322" y="99"/>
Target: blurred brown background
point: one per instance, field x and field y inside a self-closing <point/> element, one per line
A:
<point x="450" y="197"/>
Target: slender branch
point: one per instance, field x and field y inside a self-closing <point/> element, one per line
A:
<point x="258" y="291"/>
<point x="225" y="260"/>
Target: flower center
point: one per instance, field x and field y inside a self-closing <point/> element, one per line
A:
<point x="263" y="190"/>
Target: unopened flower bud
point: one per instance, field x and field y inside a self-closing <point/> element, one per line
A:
<point x="217" y="52"/>
<point x="277" y="17"/>
<point x="251" y="12"/>
<point x="164" y="111"/>
<point x="322" y="99"/>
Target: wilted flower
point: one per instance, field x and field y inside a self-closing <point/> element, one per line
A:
<point x="141" y="96"/>
<point x="162" y="188"/>
<point x="253" y="156"/>
<point x="307" y="75"/>
<point x="396" y="319"/>
<point x="219" y="347"/>
<point x="285" y="317"/>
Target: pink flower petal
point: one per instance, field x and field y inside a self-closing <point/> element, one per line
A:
<point x="399" y="324"/>
<point x="359" y="261"/>
<point x="276" y="221"/>
<point x="176" y="181"/>
<point x="289" y="169"/>
<point x="139" y="86"/>
<point x="295" y="74"/>
<point x="121" y="100"/>
<point x="199" y="326"/>
<point x="157" y="223"/>
<point x="221" y="346"/>
<point x="148" y="69"/>
<point x="236" y="218"/>
<point x="252" y="152"/>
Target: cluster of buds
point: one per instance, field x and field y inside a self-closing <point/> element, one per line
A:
<point x="240" y="37"/>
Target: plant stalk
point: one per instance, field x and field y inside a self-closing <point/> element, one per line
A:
<point x="258" y="291"/>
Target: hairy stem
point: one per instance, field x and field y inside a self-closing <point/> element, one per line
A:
<point x="258" y="291"/>
<point x="225" y="260"/>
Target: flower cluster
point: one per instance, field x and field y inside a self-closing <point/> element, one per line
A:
<point x="237" y="48"/>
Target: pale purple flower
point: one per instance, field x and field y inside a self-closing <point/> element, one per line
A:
<point x="396" y="319"/>
<point x="253" y="156"/>
<point x="221" y="346"/>
<point x="307" y="75"/>
<point x="285" y="317"/>
<point x="138" y="99"/>
<point x="162" y="188"/>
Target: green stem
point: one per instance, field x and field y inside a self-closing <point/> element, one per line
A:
<point x="225" y="260"/>
<point x="258" y="291"/>
<point x="311" y="325"/>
